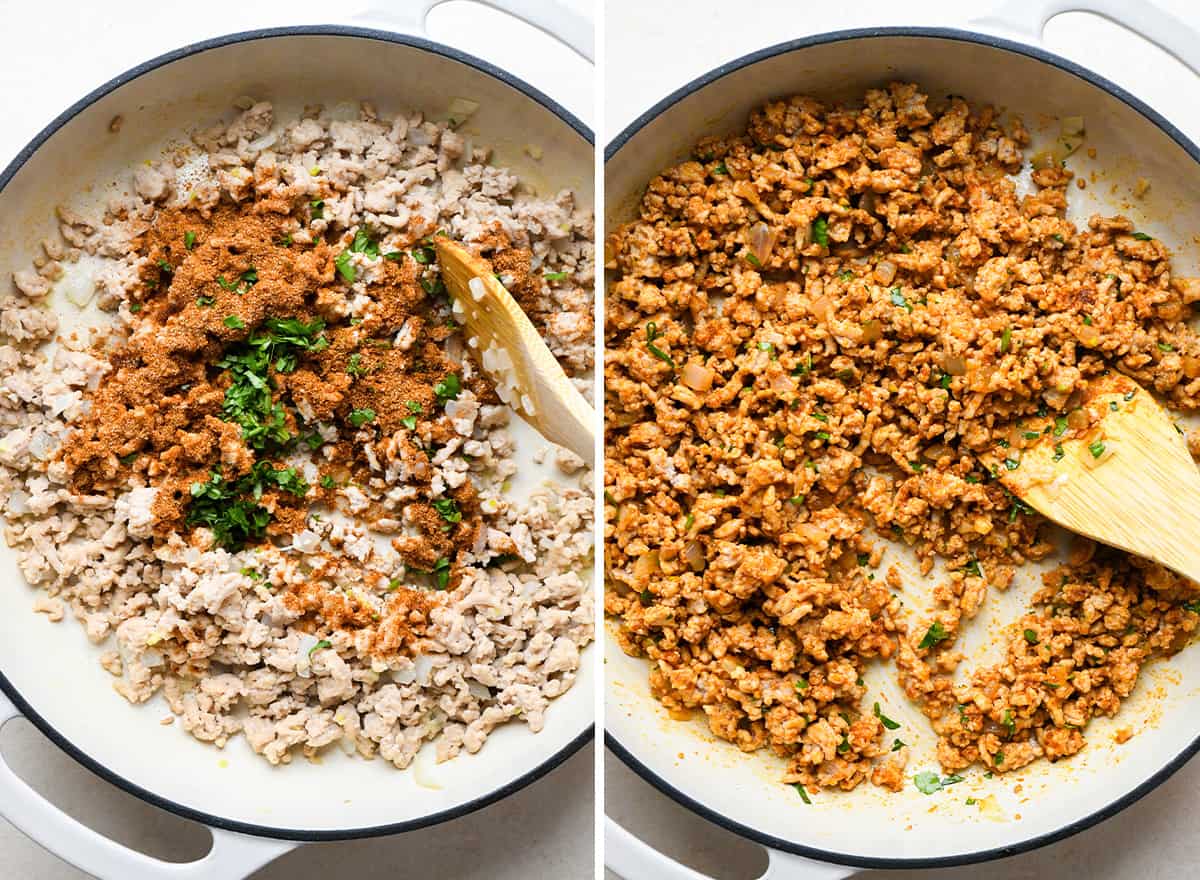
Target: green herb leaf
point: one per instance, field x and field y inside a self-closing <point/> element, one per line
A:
<point x="317" y="209"/>
<point x="447" y="508"/>
<point x="820" y="231"/>
<point x="204" y="300"/>
<point x="327" y="482"/>
<point x="885" y="721"/>
<point x="189" y="239"/>
<point x="1165" y="346"/>
<point x="1006" y="340"/>
<point x="344" y="267"/>
<point x="1096" y="448"/>
<point x="1060" y="425"/>
<point x="803" y="794"/>
<point x="898" y="744"/>
<point x="364" y="244"/>
<point x="409" y="422"/>
<point x="1141" y="236"/>
<point x="898" y="299"/>
<point x="936" y="633"/>
<point x="360" y="417"/>
<point x="324" y="643"/>
<point x="234" y="322"/>
<point x="448" y="389"/>
<point x="555" y="276"/>
<point x="928" y="782"/>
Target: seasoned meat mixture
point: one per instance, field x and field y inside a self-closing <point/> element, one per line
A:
<point x="269" y="479"/>
<point x="816" y="332"/>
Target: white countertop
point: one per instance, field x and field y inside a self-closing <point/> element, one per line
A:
<point x="51" y="54"/>
<point x="653" y="48"/>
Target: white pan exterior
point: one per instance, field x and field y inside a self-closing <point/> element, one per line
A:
<point x="868" y="826"/>
<point x="52" y="668"/>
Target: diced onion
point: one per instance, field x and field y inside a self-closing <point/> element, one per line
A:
<point x="461" y="108"/>
<point x="762" y="241"/>
<point x="1072" y="126"/>
<point x="955" y="365"/>
<point x="696" y="377"/>
<point x="885" y="271"/>
<point x="872" y="331"/>
<point x="693" y="555"/>
<point x="821" y="308"/>
<point x="646" y="565"/>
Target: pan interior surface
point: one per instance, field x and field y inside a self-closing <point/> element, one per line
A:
<point x="53" y="668"/>
<point x="1043" y="801"/>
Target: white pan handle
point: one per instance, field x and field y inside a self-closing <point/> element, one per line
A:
<point x="568" y="25"/>
<point x="232" y="857"/>
<point x="634" y="860"/>
<point x="1028" y="18"/>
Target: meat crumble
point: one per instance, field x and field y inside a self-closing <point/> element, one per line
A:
<point x="817" y="331"/>
<point x="271" y="479"/>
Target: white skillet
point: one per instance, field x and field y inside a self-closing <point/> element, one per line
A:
<point x="48" y="672"/>
<point x="866" y="828"/>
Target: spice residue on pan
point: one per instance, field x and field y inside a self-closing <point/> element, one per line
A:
<point x="273" y="479"/>
<point x="817" y="333"/>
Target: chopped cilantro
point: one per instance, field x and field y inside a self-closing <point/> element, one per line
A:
<point x="327" y="482"/>
<point x="885" y="721"/>
<point x="360" y="417"/>
<point x="820" y="231"/>
<point x="324" y="643"/>
<point x="234" y="322"/>
<point x="555" y="276"/>
<point x="1031" y="636"/>
<point x="448" y="389"/>
<point x="364" y="244"/>
<point x="344" y="267"/>
<point x="936" y="633"/>
<point x="1141" y="236"/>
<point x="354" y="366"/>
<point x="189" y="240"/>
<point x="232" y="517"/>
<point x="928" y="782"/>
<point x="899" y="300"/>
<point x="447" y="508"/>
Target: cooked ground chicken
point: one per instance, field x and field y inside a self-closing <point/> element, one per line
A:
<point x="271" y="480"/>
<point x="816" y="331"/>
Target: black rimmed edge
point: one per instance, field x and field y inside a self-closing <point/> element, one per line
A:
<point x="812" y="852"/>
<point x="301" y="835"/>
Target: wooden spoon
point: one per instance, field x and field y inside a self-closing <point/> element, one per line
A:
<point x="1122" y="476"/>
<point x="540" y="392"/>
